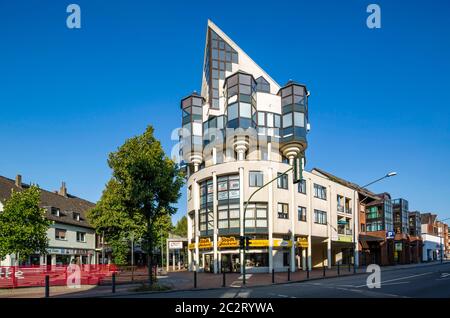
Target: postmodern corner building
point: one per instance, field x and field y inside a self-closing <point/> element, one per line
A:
<point x="240" y="132"/>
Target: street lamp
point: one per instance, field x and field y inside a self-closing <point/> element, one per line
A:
<point x="388" y="175"/>
<point x="442" y="241"/>
<point x="245" y="209"/>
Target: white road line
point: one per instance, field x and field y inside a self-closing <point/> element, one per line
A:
<point x="395" y="279"/>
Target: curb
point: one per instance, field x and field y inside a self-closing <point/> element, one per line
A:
<point x="110" y="295"/>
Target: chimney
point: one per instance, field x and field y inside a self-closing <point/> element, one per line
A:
<point x="19" y="181"/>
<point x="63" y="190"/>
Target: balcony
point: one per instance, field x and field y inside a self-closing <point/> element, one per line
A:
<point x="340" y="208"/>
<point x="348" y="210"/>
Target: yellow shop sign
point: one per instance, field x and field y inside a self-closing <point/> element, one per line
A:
<point x="228" y="242"/>
<point x="259" y="243"/>
<point x="191" y="246"/>
<point x="205" y="243"/>
<point x="282" y="243"/>
<point x="345" y="238"/>
<point x="302" y="242"/>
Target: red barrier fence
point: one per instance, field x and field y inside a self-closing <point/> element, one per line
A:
<point x="34" y="276"/>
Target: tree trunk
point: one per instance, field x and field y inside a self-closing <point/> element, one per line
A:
<point x="150" y="252"/>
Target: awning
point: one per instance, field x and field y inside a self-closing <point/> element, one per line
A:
<point x="363" y="239"/>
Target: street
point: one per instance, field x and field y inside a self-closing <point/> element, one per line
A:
<point x="424" y="281"/>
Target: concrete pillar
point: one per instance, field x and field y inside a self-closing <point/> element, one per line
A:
<point x="330" y="221"/>
<point x="356" y="226"/>
<point x="310" y="222"/>
<point x="241" y="211"/>
<point x="196" y="198"/>
<point x="173" y="261"/>
<point x="215" y="238"/>
<point x="270" y="212"/>
<point x="292" y="213"/>
<point x="329" y="253"/>
<point x="304" y="258"/>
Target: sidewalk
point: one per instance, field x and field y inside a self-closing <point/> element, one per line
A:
<point x="178" y="281"/>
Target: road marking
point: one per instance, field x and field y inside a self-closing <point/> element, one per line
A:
<point x="395" y="279"/>
<point x="443" y="275"/>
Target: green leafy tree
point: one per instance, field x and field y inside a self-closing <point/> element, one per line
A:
<point x="23" y="226"/>
<point x="118" y="224"/>
<point x="181" y="227"/>
<point x="146" y="182"/>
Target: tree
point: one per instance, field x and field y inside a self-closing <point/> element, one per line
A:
<point x="23" y="226"/>
<point x="117" y="224"/>
<point x="146" y="183"/>
<point x="181" y="227"/>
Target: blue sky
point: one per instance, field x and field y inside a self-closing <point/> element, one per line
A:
<point x="379" y="98"/>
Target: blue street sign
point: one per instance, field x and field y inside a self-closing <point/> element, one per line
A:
<point x="390" y="234"/>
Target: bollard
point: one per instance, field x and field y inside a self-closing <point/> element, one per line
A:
<point x="338" y="269"/>
<point x="289" y="274"/>
<point x="47" y="286"/>
<point x="349" y="265"/>
<point x="113" y="282"/>
<point x="324" y="269"/>
<point x="223" y="279"/>
<point x="273" y="276"/>
<point x="195" y="279"/>
<point x="307" y="273"/>
<point x="354" y="268"/>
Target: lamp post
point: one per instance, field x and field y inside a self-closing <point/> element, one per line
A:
<point x="442" y="240"/>
<point x="245" y="209"/>
<point x="388" y="175"/>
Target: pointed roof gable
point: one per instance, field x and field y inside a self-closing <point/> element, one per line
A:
<point x="245" y="63"/>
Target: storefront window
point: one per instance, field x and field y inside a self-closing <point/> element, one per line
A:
<point x="257" y="260"/>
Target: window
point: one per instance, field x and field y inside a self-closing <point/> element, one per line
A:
<point x="283" y="211"/>
<point x="262" y="85"/>
<point x="340" y="203"/>
<point x="302" y="186"/>
<point x="55" y="211"/>
<point x="299" y="119"/>
<point x="256" y="178"/>
<point x="206" y="216"/>
<point x="282" y="181"/>
<point x="81" y="237"/>
<point x="320" y="217"/>
<point x="320" y="192"/>
<point x="375" y="226"/>
<point x="256" y="217"/>
<point x="228" y="207"/>
<point x="60" y="234"/>
<point x="363" y="227"/>
<point x="258" y="259"/>
<point x="301" y="210"/>
<point x="76" y="216"/>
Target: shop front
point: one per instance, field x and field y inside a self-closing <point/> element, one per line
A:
<point x="65" y="256"/>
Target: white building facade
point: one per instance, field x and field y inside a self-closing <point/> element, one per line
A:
<point x="241" y="132"/>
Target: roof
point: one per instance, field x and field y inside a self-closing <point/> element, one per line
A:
<point x="66" y="204"/>
<point x="346" y="183"/>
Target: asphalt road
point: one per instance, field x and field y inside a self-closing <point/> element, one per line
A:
<point x="423" y="282"/>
